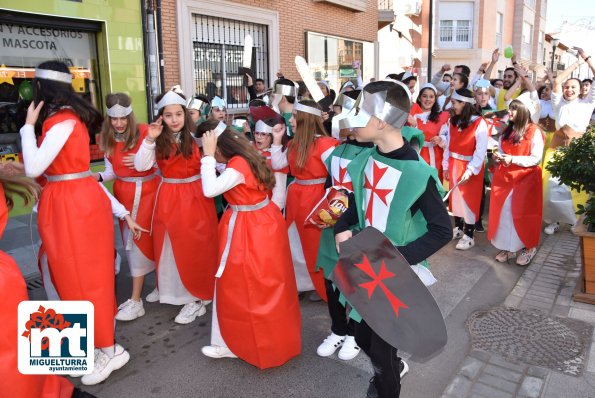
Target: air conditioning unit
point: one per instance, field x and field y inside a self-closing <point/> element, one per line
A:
<point x="408" y="7"/>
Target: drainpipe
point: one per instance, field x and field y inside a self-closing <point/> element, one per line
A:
<point x="148" y="28"/>
<point x="160" y="47"/>
<point x="430" y="37"/>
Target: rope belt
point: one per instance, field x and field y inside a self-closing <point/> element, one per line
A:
<point x="460" y="157"/>
<point x="232" y="221"/>
<point x="68" y="177"/>
<point x="310" y="182"/>
<point x="138" y="188"/>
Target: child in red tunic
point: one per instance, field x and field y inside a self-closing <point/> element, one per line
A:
<point x="465" y="141"/>
<point x="428" y="118"/>
<point x="305" y="155"/>
<point x="516" y="201"/>
<point x="75" y="217"/>
<point x="121" y="138"/>
<point x="256" y="312"/>
<point x="184" y="220"/>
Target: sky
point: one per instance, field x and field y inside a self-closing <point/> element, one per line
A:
<point x="571" y="10"/>
<point x="577" y="13"/>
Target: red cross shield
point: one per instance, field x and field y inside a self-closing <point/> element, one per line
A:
<point x="379" y="283"/>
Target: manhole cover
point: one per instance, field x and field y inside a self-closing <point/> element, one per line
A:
<point x="532" y="337"/>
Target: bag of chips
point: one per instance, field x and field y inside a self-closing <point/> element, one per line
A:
<point x="328" y="210"/>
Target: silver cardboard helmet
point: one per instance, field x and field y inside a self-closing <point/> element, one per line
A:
<point x="368" y="105"/>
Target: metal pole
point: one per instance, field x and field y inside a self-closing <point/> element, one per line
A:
<point x="553" y="56"/>
<point x="430" y="37"/>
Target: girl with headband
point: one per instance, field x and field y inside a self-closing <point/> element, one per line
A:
<point x="184" y="220"/>
<point x="74" y="214"/>
<point x="121" y="137"/>
<point x="465" y="139"/>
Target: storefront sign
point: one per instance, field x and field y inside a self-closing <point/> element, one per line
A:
<point x="49" y="43"/>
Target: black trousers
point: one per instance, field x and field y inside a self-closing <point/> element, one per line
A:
<point x="387" y="378"/>
<point x="341" y="325"/>
<point x="482" y="204"/>
<point x="467" y="228"/>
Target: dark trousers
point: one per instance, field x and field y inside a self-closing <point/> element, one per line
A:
<point x="387" y="378"/>
<point x="483" y="202"/>
<point x="467" y="228"/>
<point x="340" y="324"/>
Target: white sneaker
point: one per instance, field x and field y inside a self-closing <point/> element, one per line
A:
<point x="215" y="351"/>
<point x="465" y="243"/>
<point x="190" y="312"/>
<point x="349" y="350"/>
<point x="330" y="345"/>
<point x="457" y="233"/>
<point x="207" y="302"/>
<point x="552" y="228"/>
<point x="153" y="297"/>
<point x="130" y="310"/>
<point x="403" y="368"/>
<point x="104" y="365"/>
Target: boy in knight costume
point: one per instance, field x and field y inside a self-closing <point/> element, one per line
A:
<point x="416" y="223"/>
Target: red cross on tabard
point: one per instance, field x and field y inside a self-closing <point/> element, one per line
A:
<point x="341" y="181"/>
<point x="377" y="174"/>
<point x="377" y="281"/>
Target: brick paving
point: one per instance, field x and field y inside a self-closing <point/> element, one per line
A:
<point x="547" y="286"/>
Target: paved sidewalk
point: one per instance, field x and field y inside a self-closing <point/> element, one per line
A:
<point x="539" y="312"/>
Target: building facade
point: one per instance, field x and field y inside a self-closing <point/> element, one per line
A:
<point x="431" y="33"/>
<point x="203" y="42"/>
<point x="101" y="41"/>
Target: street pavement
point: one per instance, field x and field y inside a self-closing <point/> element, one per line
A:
<point x="500" y="320"/>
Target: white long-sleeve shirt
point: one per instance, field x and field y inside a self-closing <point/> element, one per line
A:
<point x="576" y="113"/>
<point x="37" y="160"/>
<point x="546" y="109"/>
<point x="279" y="157"/>
<point x="108" y="174"/>
<point x="144" y="159"/>
<point x="213" y="185"/>
<point x="481" y="146"/>
<point x="534" y="158"/>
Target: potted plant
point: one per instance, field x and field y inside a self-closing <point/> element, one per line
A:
<point x="574" y="166"/>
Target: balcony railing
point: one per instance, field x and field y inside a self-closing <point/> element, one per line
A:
<point x="385" y="5"/>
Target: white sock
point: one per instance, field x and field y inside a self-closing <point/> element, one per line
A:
<point x="109" y="351"/>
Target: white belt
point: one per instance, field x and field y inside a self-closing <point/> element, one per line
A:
<point x="181" y="180"/>
<point x="68" y="177"/>
<point x="171" y="181"/>
<point x="138" y="181"/>
<point x="460" y="157"/>
<point x="232" y="222"/>
<point x="310" y="182"/>
<point x="430" y="147"/>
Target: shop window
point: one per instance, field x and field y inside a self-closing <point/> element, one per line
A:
<point x="24" y="46"/>
<point x="337" y="60"/>
<point x="218" y="45"/>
